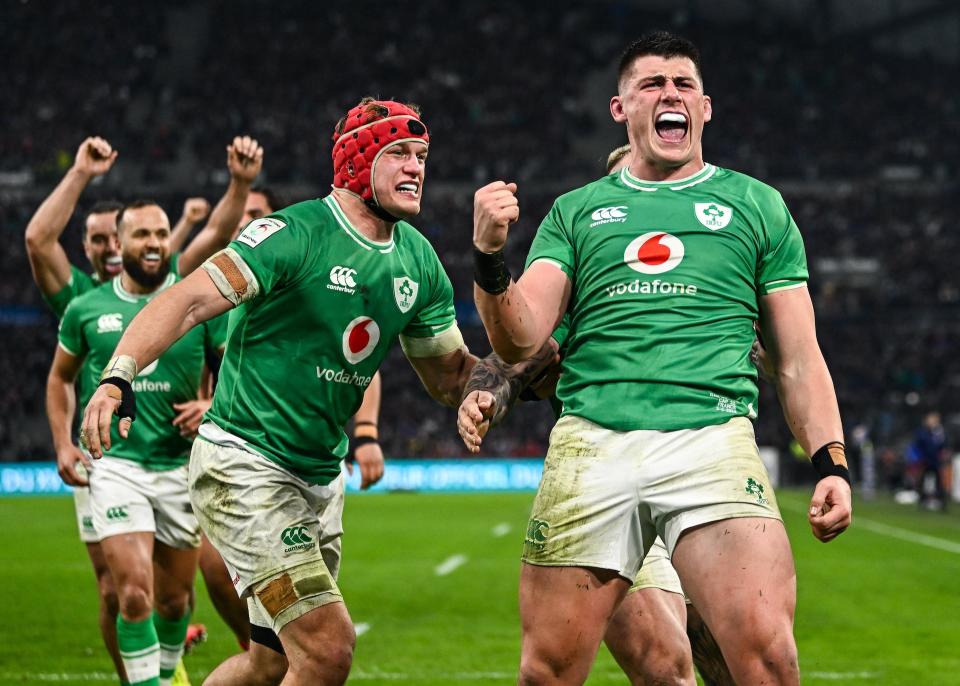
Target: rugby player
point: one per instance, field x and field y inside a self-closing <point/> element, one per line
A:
<point x="138" y="496"/>
<point x="60" y="281"/>
<point x="654" y="631"/>
<point x="365" y="452"/>
<point x="663" y="268"/>
<point x="325" y="287"/>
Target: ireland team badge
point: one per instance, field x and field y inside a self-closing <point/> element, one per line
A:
<point x="712" y="215"/>
<point x="404" y="292"/>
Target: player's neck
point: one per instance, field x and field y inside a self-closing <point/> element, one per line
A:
<point x="363" y="219"/>
<point x="647" y="170"/>
<point x="134" y="287"/>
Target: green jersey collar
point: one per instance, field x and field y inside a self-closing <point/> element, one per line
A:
<point x="129" y="297"/>
<point x="631" y="181"/>
<point x="351" y="231"/>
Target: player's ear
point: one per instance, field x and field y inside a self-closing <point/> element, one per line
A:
<point x="707" y="109"/>
<point x="616" y="109"/>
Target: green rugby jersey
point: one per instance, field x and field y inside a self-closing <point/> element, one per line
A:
<point x="666" y="281"/>
<point x="92" y="327"/>
<point x="80" y="282"/>
<point x="331" y="303"/>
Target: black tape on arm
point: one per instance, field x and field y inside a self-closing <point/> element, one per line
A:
<point x="128" y="401"/>
<point x="831" y="460"/>
<point x="490" y="271"/>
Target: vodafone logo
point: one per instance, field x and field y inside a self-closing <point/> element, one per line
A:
<point x="653" y="253"/>
<point x="359" y="339"/>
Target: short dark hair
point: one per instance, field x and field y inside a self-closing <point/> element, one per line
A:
<point x="274" y="199"/>
<point x="135" y="205"/>
<point x="662" y="44"/>
<point x="102" y="207"/>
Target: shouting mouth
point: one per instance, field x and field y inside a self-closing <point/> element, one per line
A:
<point x="672" y="126"/>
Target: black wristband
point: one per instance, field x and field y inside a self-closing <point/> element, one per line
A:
<point x="356" y="442"/>
<point x="128" y="401"/>
<point x="831" y="460"/>
<point x="490" y="271"/>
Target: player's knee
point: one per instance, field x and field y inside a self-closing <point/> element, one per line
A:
<point x="328" y="660"/>
<point x="173" y="605"/>
<point x="135" y="601"/>
<point x="768" y="647"/>
<point x="544" y="669"/>
<point x="661" y="660"/>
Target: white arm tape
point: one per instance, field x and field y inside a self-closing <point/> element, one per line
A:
<point x="232" y="277"/>
<point x="444" y="342"/>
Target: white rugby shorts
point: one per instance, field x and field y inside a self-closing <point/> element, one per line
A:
<point x="606" y="495"/>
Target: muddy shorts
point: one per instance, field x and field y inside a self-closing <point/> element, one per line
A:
<point x="278" y="535"/>
<point x="606" y="495"/>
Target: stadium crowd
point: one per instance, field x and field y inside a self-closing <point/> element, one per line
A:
<point x="875" y="201"/>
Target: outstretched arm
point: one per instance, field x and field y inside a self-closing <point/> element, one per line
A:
<point x="244" y="160"/>
<point x="809" y="404"/>
<point x="493" y="388"/>
<point x="155" y="328"/>
<point x="48" y="261"/>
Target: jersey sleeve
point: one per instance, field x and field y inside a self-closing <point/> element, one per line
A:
<point x="270" y="248"/>
<point x="433" y="330"/>
<point x="79" y="282"/>
<point x="553" y="243"/>
<point x="783" y="265"/>
<point x="70" y="335"/>
<point x="562" y="332"/>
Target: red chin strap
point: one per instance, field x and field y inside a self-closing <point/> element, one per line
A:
<point x="370" y="128"/>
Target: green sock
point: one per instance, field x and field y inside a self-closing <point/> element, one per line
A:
<point x="171" y="633"/>
<point x="139" y="651"/>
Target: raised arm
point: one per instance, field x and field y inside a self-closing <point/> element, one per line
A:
<point x="48" y="261"/>
<point x="155" y="328"/>
<point x="195" y="210"/>
<point x="244" y="161"/>
<point x="519" y="316"/>
<point x="494" y="387"/>
<point x="809" y="403"/>
<point x="61" y="406"/>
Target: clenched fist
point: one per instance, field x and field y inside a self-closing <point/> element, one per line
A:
<point x="244" y="158"/>
<point x="495" y="208"/>
<point x="94" y="157"/>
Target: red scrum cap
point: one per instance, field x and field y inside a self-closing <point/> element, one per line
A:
<point x="361" y="137"/>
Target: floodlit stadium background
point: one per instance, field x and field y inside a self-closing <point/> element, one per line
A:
<point x="850" y="108"/>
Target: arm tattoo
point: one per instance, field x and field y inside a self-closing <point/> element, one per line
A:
<point x="505" y="381"/>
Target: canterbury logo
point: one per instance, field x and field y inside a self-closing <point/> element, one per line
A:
<point x="606" y="215"/>
<point x="115" y="513"/>
<point x="295" y="535"/>
<point x="110" y="323"/>
<point x="343" y="276"/>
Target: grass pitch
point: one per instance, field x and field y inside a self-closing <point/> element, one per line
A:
<point x="431" y="583"/>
